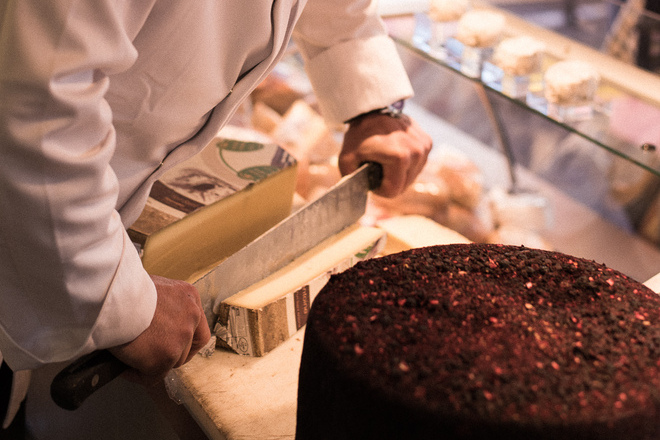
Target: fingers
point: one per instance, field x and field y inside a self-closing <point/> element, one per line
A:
<point x="201" y="335"/>
<point x="200" y="339"/>
<point x="398" y="144"/>
<point x="177" y="332"/>
<point x="194" y="332"/>
<point x="405" y="163"/>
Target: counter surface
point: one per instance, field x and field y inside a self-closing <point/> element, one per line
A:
<point x="235" y="398"/>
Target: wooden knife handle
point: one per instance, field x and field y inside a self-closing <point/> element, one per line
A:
<point x="75" y="383"/>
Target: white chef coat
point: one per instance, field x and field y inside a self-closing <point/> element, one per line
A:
<point x="97" y="99"/>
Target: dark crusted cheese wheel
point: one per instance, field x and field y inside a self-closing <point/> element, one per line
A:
<point x="481" y="342"/>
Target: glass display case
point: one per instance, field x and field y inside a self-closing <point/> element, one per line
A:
<point x="600" y="158"/>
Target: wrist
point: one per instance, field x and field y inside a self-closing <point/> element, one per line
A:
<point x="394" y="110"/>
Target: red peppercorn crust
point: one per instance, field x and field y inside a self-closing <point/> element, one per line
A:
<point x="490" y="340"/>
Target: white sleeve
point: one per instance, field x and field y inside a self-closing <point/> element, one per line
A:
<point x="352" y="63"/>
<point x="71" y="281"/>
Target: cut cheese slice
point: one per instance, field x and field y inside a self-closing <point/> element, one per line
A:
<point x="259" y="318"/>
<point x="211" y="235"/>
<point x="412" y="231"/>
<point x="212" y="205"/>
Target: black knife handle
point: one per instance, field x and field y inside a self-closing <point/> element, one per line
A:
<point x="75" y="383"/>
<point x="374" y="174"/>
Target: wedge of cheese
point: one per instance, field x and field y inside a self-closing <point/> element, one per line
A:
<point x="412" y="231"/>
<point x="261" y="317"/>
<point x="212" y="205"/>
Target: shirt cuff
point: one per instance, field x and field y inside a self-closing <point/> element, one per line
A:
<point x="127" y="311"/>
<point x="129" y="306"/>
<point x="358" y="76"/>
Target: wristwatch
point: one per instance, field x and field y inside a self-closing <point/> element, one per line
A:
<point x="394" y="110"/>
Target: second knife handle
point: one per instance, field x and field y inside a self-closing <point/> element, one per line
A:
<point x="75" y="383"/>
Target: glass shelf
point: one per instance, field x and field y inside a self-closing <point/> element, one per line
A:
<point x="595" y="128"/>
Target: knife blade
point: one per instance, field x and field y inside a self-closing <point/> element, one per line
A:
<point x="341" y="206"/>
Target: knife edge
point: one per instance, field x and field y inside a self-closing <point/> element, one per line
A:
<point x="341" y="206"/>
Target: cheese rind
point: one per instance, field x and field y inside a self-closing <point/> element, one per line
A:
<point x="261" y="317"/>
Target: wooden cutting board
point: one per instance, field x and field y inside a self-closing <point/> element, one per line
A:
<point x="236" y="397"/>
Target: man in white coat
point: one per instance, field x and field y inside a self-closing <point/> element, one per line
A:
<point x="99" y="97"/>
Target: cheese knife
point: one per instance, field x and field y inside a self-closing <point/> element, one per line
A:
<point x="341" y="206"/>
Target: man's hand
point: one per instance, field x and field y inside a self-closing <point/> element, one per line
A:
<point x="397" y="143"/>
<point x="177" y="332"/>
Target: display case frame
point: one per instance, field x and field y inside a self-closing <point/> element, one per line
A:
<point x="619" y="80"/>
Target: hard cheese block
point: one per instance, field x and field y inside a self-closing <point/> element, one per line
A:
<point x="212" y="205"/>
<point x="261" y="317"/>
<point x="412" y="231"/>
